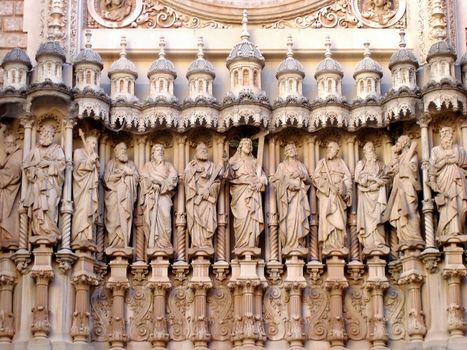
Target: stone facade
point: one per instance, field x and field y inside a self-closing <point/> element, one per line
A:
<point x="201" y="177"/>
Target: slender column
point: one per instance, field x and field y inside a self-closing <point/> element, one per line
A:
<point x="40" y="324"/>
<point x="7" y="283"/>
<point x="200" y="331"/>
<point x="427" y="206"/>
<point x="295" y="332"/>
<point x="160" y="335"/>
<point x="100" y="222"/>
<point x="80" y="329"/>
<point x="180" y="216"/>
<point x="272" y="222"/>
<point x="456" y="323"/>
<point x="354" y="245"/>
<point x="259" y="321"/>
<point x="314" y="246"/>
<point x="336" y="335"/>
<point x="221" y="211"/>
<point x="22" y="255"/>
<point x="117" y="335"/>
<point x="65" y="257"/>
<point x="248" y="312"/>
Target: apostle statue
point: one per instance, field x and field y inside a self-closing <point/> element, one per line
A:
<point x="10" y="183"/>
<point x="247" y="181"/>
<point x="334" y="190"/>
<point x="447" y="179"/>
<point x="44" y="168"/>
<point x="158" y="181"/>
<point x="85" y="191"/>
<point x="291" y="183"/>
<point x="371" y="178"/>
<point x="121" y="182"/>
<point x="402" y="209"/>
<point x="202" y="185"/>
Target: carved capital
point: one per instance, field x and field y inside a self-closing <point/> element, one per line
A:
<point x="412" y="279"/>
<point x="84" y="280"/>
<point x="7" y="282"/>
<point x="377" y="285"/>
<point x="118" y="286"/>
<point x="139" y="271"/>
<point x="65" y="259"/>
<point x="42" y="276"/>
<point x="27" y="121"/>
<point x="431" y="258"/>
<point x="428" y="206"/>
<point x="69" y="123"/>
<point x="424" y="120"/>
<point x="22" y="259"/>
<point x="336" y="285"/>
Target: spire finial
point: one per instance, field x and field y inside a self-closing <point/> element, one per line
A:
<point x="245" y="35"/>
<point x="327" y="45"/>
<point x="367" y="52"/>
<point x="289" y="46"/>
<point x="402" y="43"/>
<point x="123" y="46"/>
<point x="88" y="44"/>
<point x="200" y="48"/>
<point x="162" y="47"/>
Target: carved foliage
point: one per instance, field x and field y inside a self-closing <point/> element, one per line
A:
<point x="177" y="314"/>
<point x="355" y="313"/>
<point x="220" y="312"/>
<point x="394" y="312"/>
<point x="101" y="304"/>
<point x="316" y="313"/>
<point x="275" y="313"/>
<point x="140" y="304"/>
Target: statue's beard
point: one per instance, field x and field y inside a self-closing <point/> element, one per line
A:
<point x="202" y="157"/>
<point x="123" y="158"/>
<point x="158" y="159"/>
<point x="46" y="141"/>
<point x="446" y="142"/>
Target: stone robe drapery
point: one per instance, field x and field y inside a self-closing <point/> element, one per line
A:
<point x="44" y="168"/>
<point x="120" y="198"/>
<point x="201" y="213"/>
<point x="403" y="202"/>
<point x="293" y="204"/>
<point x="10" y="183"/>
<point x="372" y="201"/>
<point x="247" y="208"/>
<point x="334" y="195"/>
<point x="85" y="195"/>
<point x="451" y="186"/>
<point x="156" y="204"/>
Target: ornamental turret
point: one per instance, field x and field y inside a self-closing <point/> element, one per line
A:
<point x="200" y="75"/>
<point x="403" y="66"/>
<point x="50" y="59"/>
<point x="367" y="76"/>
<point x="88" y="66"/>
<point x="290" y="74"/>
<point x="245" y="63"/>
<point x="329" y="75"/>
<point x="16" y="65"/>
<point x="162" y="75"/>
<point x="122" y="74"/>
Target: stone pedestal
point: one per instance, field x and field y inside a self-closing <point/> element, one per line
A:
<point x="118" y="283"/>
<point x="335" y="284"/>
<point x="376" y="285"/>
<point x="294" y="284"/>
<point x="7" y="282"/>
<point x="200" y="282"/>
<point x="83" y="278"/>
<point x="412" y="277"/>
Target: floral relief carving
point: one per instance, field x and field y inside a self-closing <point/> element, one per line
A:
<point x="220" y="312"/>
<point x="394" y="312"/>
<point x="316" y="302"/>
<point x="139" y="305"/>
<point x="275" y="314"/>
<point x="177" y="313"/>
<point x="101" y="304"/>
<point x="355" y="313"/>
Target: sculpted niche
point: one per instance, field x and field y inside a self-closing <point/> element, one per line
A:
<point x="247" y="181"/>
<point x="447" y="179"/>
<point x="371" y="177"/>
<point x="202" y="184"/>
<point x="44" y="168"/>
<point x="291" y="183"/>
<point x="158" y="181"/>
<point x="10" y="184"/>
<point x="85" y="192"/>
<point x="120" y="181"/>
<point x="334" y="190"/>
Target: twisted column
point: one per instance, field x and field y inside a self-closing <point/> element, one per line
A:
<point x="354" y="244"/>
<point x="272" y="222"/>
<point x="311" y="165"/>
<point x="104" y="154"/>
<point x="427" y="205"/>
<point x="180" y="216"/>
<point x="221" y="209"/>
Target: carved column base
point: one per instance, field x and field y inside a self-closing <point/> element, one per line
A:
<point x="118" y="283"/>
<point x="335" y="284"/>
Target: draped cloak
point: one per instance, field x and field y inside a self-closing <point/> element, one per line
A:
<point x="156" y="205"/>
<point x="120" y="198"/>
<point x="44" y="168"/>
<point x="201" y="213"/>
<point x="85" y="195"/>
<point x="246" y="202"/>
<point x="293" y="205"/>
<point x="10" y="183"/>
